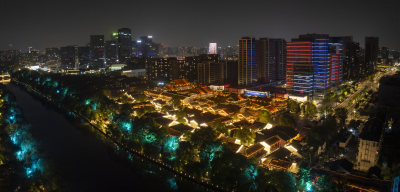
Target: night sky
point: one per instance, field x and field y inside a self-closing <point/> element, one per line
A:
<point x="55" y="23"/>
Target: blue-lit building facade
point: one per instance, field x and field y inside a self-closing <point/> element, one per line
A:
<point x="314" y="64"/>
<point x="247" y="65"/>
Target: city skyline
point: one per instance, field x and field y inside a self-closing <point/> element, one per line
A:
<point x="182" y="23"/>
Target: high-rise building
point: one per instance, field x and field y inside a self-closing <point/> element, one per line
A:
<point x="271" y="60"/>
<point x="111" y="48"/>
<point x="97" y="55"/>
<point x="68" y="57"/>
<point x="247" y="66"/>
<point x="232" y="72"/>
<point x="371" y="55"/>
<point x="146" y="47"/>
<point x="124" y="44"/>
<point x="211" y="70"/>
<point x="190" y="67"/>
<point x="158" y="69"/>
<point x="212" y="48"/>
<point x="336" y="62"/>
<point x="351" y="58"/>
<point x="84" y="56"/>
<point x="314" y="63"/>
<point x="52" y="54"/>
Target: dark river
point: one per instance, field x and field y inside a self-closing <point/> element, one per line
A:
<point x="81" y="161"/>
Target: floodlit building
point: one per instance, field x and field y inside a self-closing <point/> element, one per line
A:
<point x="212" y="49"/>
<point x="314" y="63"/>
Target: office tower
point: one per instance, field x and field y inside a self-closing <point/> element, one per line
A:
<point x="383" y="56"/>
<point x="147" y="48"/>
<point x="177" y="68"/>
<point x="84" y="57"/>
<point x="190" y="67"/>
<point x="212" y="48"/>
<point x="232" y="72"/>
<point x="111" y="48"/>
<point x="371" y="54"/>
<point x="97" y="51"/>
<point x="210" y="70"/>
<point x="299" y="67"/>
<point x="271" y="60"/>
<point x="314" y="63"/>
<point x="247" y="66"/>
<point x="124" y="44"/>
<point x="351" y="58"/>
<point x="158" y="69"/>
<point x="336" y="62"/>
<point x="68" y="57"/>
<point x="52" y="54"/>
<point x="9" y="59"/>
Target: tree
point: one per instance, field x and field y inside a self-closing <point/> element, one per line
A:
<point x="226" y="168"/>
<point x="141" y="98"/>
<point x="220" y="99"/>
<point x="176" y="102"/>
<point x="341" y="113"/>
<point x="310" y="109"/>
<point x="184" y="153"/>
<point x="220" y="127"/>
<point x="245" y="135"/>
<point x="203" y="135"/>
<point x="293" y="106"/>
<point x="264" y="116"/>
<point x="180" y="116"/>
<point x="282" y="181"/>
<point x="285" y="119"/>
<point x="166" y="108"/>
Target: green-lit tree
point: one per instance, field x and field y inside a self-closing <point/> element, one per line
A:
<point x="180" y="116"/>
<point x="264" y="116"/>
<point x="166" y="108"/>
<point x="310" y="109"/>
<point x="293" y="106"/>
<point x="220" y="127"/>
<point x="245" y="135"/>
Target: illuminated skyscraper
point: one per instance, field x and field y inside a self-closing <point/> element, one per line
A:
<point x="314" y="63"/>
<point x="212" y="49"/>
<point x="97" y="55"/>
<point x="247" y="66"/>
<point x="124" y="44"/>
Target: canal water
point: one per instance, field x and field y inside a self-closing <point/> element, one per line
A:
<point x="81" y="161"/>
